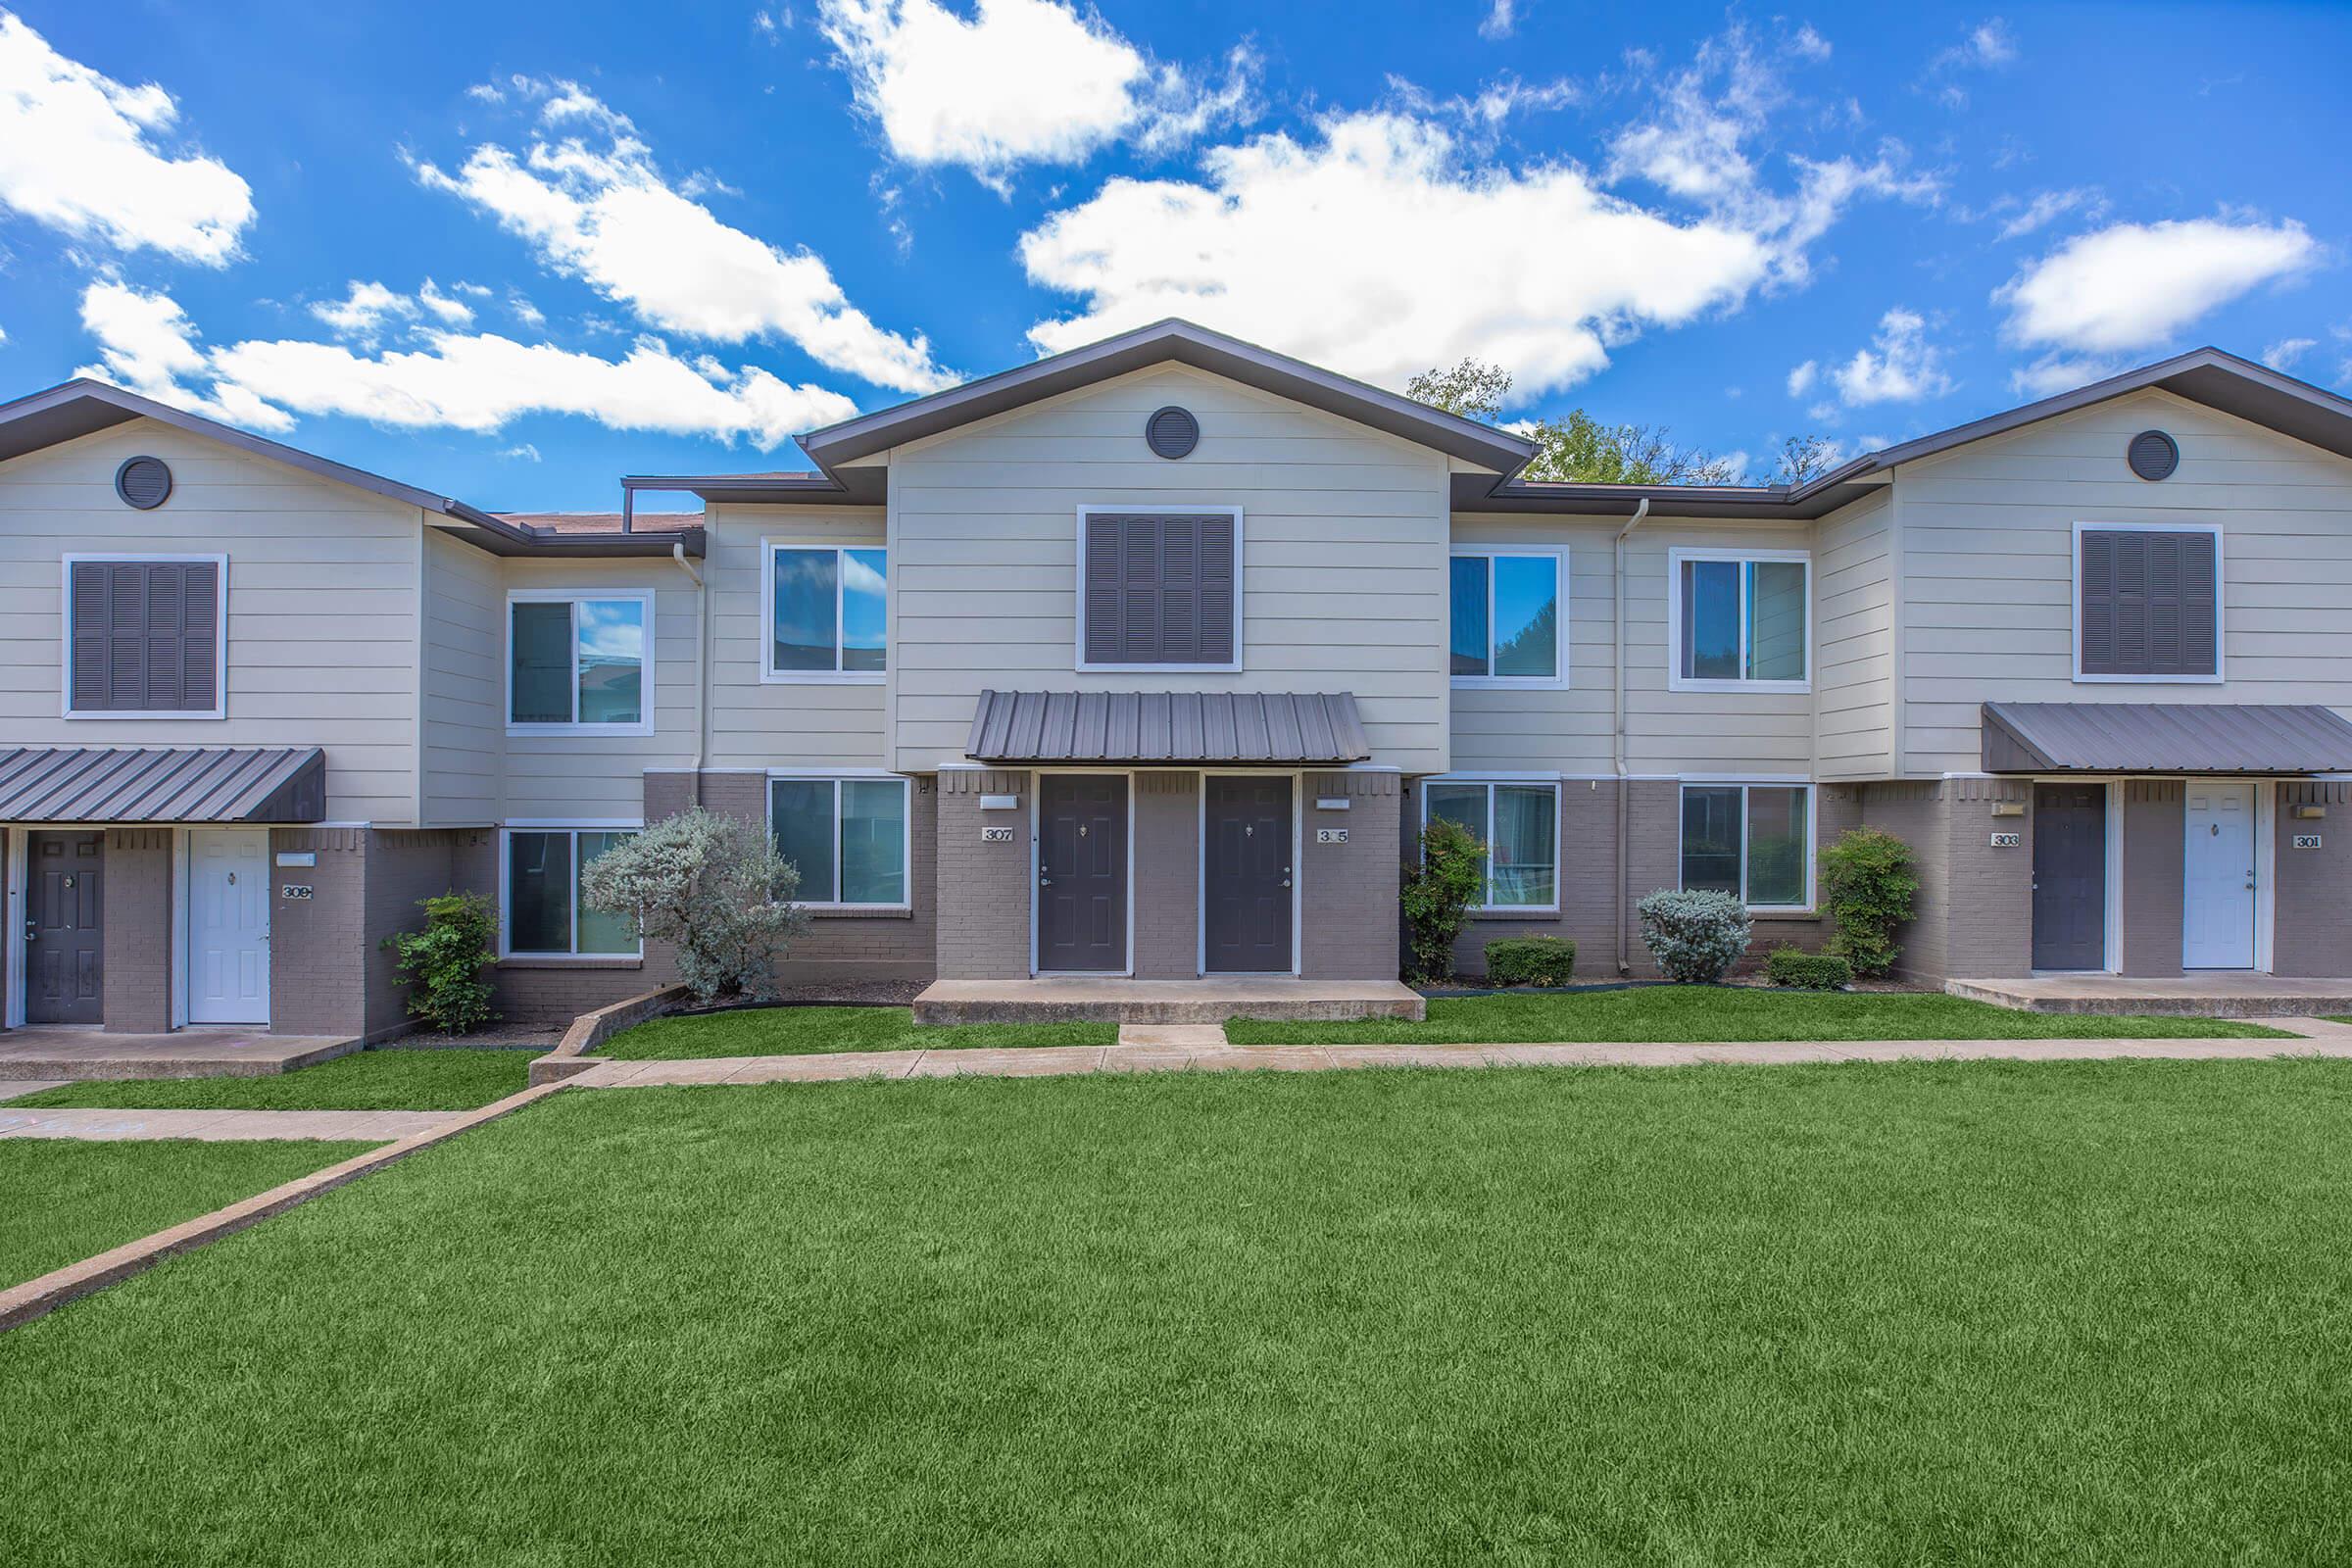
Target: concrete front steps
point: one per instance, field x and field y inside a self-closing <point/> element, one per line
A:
<point x="80" y="1053"/>
<point x="2210" y="994"/>
<point x="1100" y="999"/>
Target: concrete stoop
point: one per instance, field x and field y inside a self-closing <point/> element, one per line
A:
<point x="2216" y="995"/>
<point x="80" y="1055"/>
<point x="1071" y="998"/>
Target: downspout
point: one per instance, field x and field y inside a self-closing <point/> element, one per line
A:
<point x="1623" y="784"/>
<point x="701" y="664"/>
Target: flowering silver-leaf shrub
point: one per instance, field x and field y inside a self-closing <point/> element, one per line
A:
<point x="712" y="886"/>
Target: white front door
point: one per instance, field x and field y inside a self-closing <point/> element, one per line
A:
<point x="228" y="925"/>
<point x="2216" y="904"/>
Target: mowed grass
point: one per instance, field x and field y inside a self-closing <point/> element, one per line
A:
<point x="1649" y="1013"/>
<point x="811" y="1031"/>
<point x="454" y="1079"/>
<point x="1968" y="1314"/>
<point x="69" y="1200"/>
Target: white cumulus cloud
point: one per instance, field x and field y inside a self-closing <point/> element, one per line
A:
<point x="466" y="381"/>
<point x="1802" y="377"/>
<point x="594" y="205"/>
<point x="2133" y="285"/>
<point x="2282" y="355"/>
<point x="1899" y="366"/>
<point x="1016" y="81"/>
<point x="76" y="153"/>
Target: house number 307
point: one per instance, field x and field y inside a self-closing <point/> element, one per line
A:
<point x="996" y="834"/>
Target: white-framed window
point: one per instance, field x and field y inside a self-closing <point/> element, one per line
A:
<point x="1739" y="620"/>
<point x="541" y="913"/>
<point x="1520" y="825"/>
<point x="1752" y="840"/>
<point x="847" y="835"/>
<point x="580" y="662"/>
<point x="826" y="612"/>
<point x="1509" y="617"/>
<point x="2148" y="602"/>
<point x="146" y="636"/>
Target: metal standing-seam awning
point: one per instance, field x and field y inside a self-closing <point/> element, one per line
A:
<point x="138" y="784"/>
<point x="1168" y="729"/>
<point x="2165" y="738"/>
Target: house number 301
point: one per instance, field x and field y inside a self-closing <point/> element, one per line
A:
<point x="996" y="834"/>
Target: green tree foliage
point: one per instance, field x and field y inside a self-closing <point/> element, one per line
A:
<point x="1867" y="882"/>
<point x="446" y="965"/>
<point x="713" y="886"/>
<point x="1437" y="894"/>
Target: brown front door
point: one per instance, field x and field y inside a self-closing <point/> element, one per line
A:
<point x="2070" y="876"/>
<point x="64" y="885"/>
<point x="1246" y="876"/>
<point x="1082" y="874"/>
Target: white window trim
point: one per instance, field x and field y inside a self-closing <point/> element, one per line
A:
<point x="1491" y="782"/>
<point x="574" y="827"/>
<point x="838" y="777"/>
<point x="1676" y="680"/>
<point x="2221" y="658"/>
<point x="1131" y="509"/>
<point x="836" y="676"/>
<point x="1558" y="557"/>
<point x="1743" y="785"/>
<point x="64" y="639"/>
<point x="575" y="597"/>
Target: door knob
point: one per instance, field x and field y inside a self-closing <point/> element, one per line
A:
<point x="1044" y="881"/>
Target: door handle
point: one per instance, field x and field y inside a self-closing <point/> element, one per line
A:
<point x="1044" y="881"/>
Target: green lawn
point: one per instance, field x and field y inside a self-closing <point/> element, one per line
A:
<point x="1730" y="1012"/>
<point x="69" y="1200"/>
<point x="799" y="1031"/>
<point x="1968" y="1314"/>
<point x="369" y="1080"/>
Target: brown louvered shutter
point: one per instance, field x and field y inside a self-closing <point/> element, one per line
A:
<point x="1217" y="590"/>
<point x="1160" y="590"/>
<point x="2149" y="603"/>
<point x="1105" y="618"/>
<point x="145" y="636"/>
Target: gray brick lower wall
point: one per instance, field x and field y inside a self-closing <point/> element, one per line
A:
<point x="1349" y="915"/>
<point x="1167" y="875"/>
<point x="1588" y="874"/>
<point x="136" y="939"/>
<point x="1976" y="902"/>
<point x="983" y="889"/>
<point x="2154" y="852"/>
<point x="2312" y="934"/>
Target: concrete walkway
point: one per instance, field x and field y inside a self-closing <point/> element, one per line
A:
<point x="1038" y="1062"/>
<point x="222" y="1126"/>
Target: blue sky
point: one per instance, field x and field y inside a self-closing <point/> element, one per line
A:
<point x="512" y="252"/>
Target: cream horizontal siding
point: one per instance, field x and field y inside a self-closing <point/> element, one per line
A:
<point x="464" y="683"/>
<point x="1569" y="731"/>
<point x="756" y="723"/>
<point x="324" y="596"/>
<point x="1987" y="536"/>
<point x="603" y="776"/>
<point x="1853" y="684"/>
<point x="1343" y="557"/>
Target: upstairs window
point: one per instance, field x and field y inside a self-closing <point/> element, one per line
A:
<point x="1160" y="590"/>
<point x="1520" y="826"/>
<point x="828" y="614"/>
<point x="1508" y="626"/>
<point x="145" y="636"/>
<point x="2148" y="603"/>
<point x="1741" y="622"/>
<point x="1753" y="841"/>
<point x="577" y="664"/>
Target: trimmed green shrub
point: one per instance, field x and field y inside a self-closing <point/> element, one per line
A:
<point x="1867" y="883"/>
<point x="1437" y="895"/>
<point x="1807" y="971"/>
<point x="446" y="965"/>
<point x="713" y="888"/>
<point x="1692" y="936"/>
<point x="1530" y="961"/>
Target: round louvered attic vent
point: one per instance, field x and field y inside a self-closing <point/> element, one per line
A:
<point x="2153" y="455"/>
<point x="143" y="482"/>
<point x="1172" y="432"/>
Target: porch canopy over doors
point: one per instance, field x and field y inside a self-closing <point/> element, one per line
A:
<point x="163" y="784"/>
<point x="1167" y="729"/>
<point x="2260" y="738"/>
